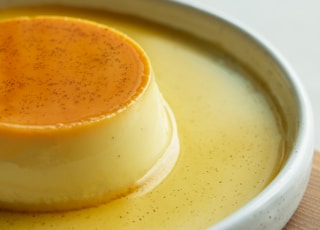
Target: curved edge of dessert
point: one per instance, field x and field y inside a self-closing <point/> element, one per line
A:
<point x="145" y="184"/>
<point x="164" y="165"/>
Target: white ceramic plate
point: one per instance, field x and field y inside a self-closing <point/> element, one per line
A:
<point x="274" y="206"/>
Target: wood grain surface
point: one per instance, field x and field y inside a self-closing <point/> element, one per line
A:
<point x="307" y="216"/>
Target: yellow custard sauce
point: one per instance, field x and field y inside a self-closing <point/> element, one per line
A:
<point x="230" y="136"/>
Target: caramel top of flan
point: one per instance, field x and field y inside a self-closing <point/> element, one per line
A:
<point x="56" y="70"/>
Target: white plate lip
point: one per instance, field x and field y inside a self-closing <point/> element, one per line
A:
<point x="302" y="152"/>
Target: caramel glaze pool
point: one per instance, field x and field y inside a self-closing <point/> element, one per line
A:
<point x="61" y="71"/>
<point x="230" y="132"/>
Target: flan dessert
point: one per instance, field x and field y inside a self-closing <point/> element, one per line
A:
<point x="232" y="142"/>
<point x="82" y="120"/>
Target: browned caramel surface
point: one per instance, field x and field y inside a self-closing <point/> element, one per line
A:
<point x="57" y="70"/>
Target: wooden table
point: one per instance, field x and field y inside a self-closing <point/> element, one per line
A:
<point x="307" y="215"/>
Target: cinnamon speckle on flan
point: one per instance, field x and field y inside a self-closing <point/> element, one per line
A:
<point x="60" y="71"/>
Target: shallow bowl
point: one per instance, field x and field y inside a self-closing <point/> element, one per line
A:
<point x="274" y="206"/>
